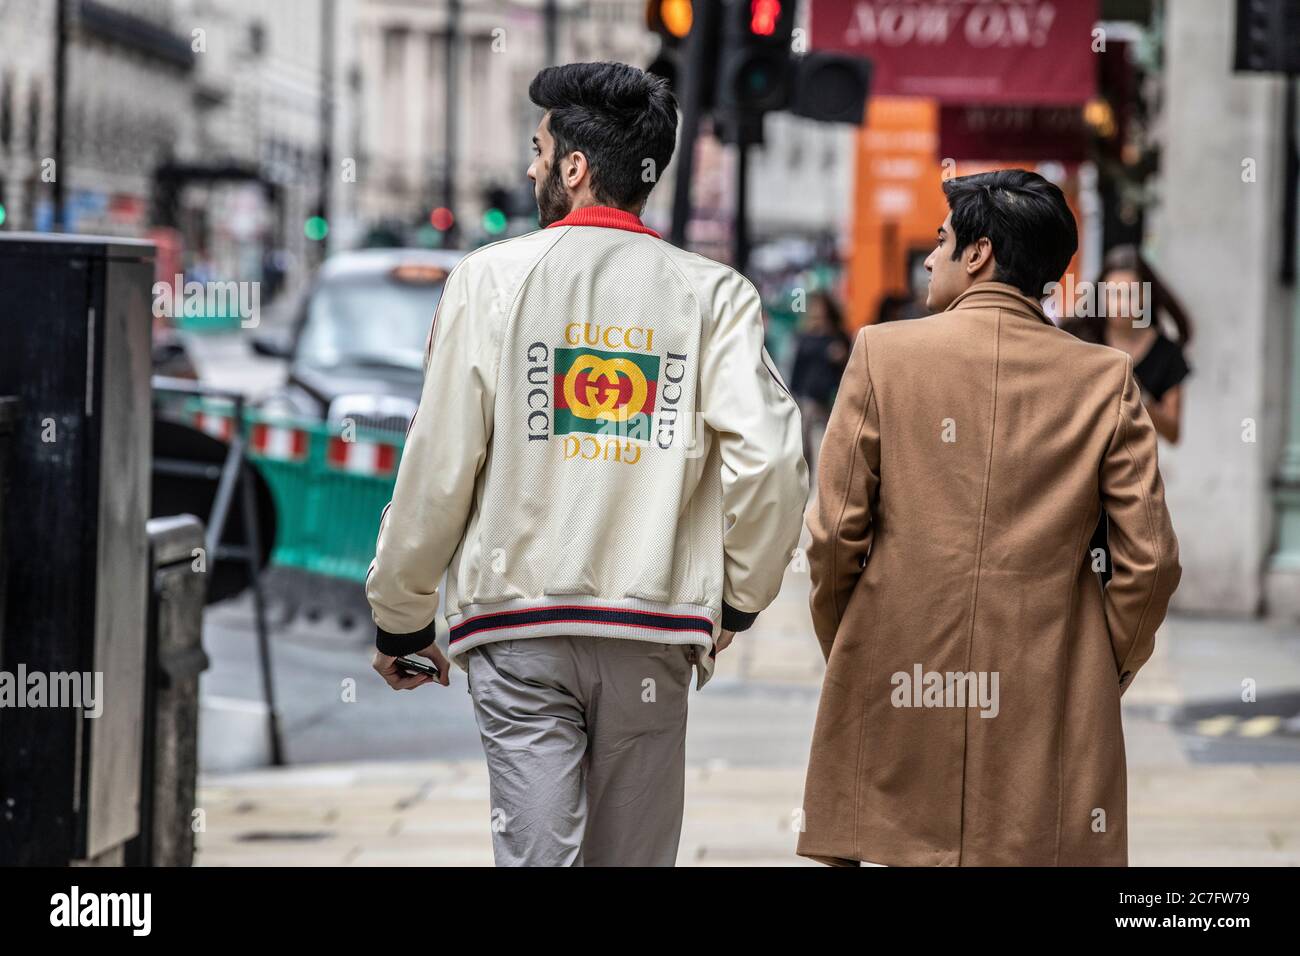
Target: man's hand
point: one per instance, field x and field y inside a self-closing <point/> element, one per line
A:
<point x="724" y="639"/>
<point x="387" y="668"/>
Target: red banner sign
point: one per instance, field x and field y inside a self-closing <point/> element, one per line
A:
<point x="1024" y="52"/>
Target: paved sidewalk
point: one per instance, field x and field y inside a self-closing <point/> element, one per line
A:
<point x="1199" y="793"/>
<point x="421" y="814"/>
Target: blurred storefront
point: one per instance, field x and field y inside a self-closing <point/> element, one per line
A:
<point x="26" y="109"/>
<point x="436" y="106"/>
<point x="114" y="142"/>
<point x="183" y="117"/>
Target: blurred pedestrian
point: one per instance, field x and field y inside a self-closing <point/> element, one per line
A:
<point x="1130" y="304"/>
<point x="892" y="308"/>
<point x="967" y="458"/>
<point x="608" y="468"/>
<point x="821" y="352"/>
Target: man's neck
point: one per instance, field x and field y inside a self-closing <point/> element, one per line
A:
<point x="587" y="202"/>
<point x="982" y="280"/>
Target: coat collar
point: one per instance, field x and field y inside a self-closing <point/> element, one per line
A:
<point x="1002" y="296"/>
<point x="607" y="216"/>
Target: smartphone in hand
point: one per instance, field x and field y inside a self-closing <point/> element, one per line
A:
<point x="410" y="667"/>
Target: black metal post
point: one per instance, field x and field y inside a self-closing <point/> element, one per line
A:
<point x="740" y="221"/>
<point x="551" y="21"/>
<point x="252" y="542"/>
<point x="699" y="49"/>
<point x="60" y="111"/>
<point x="233" y="477"/>
<point x="1291" y="174"/>
<point x="449" y="135"/>
<point x="328" y="11"/>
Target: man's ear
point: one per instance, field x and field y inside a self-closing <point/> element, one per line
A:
<point x="574" y="169"/>
<point x="978" y="254"/>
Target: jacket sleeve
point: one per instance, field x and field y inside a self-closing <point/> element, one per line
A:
<point x="446" y="445"/>
<point x="848" y="481"/>
<point x="1144" y="551"/>
<point x="760" y="440"/>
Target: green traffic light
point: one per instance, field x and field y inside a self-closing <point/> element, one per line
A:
<point x="494" y="222"/>
<point x="316" y="228"/>
<point x="3" y="214"/>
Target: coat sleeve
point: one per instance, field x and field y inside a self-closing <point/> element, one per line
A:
<point x="760" y="441"/>
<point x="446" y="445"/>
<point x="848" y="482"/>
<point x="1144" y="551"/>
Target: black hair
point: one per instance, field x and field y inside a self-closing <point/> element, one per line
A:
<point x="834" y="314"/>
<point x="1024" y="217"/>
<point x="615" y="115"/>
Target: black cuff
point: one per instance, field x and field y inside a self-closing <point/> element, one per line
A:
<point x="733" y="620"/>
<point x="398" y="645"/>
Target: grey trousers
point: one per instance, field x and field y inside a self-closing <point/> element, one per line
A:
<point x="585" y="739"/>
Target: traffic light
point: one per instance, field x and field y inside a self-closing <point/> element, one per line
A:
<point x="831" y="87"/>
<point x="734" y="60"/>
<point x="674" y="20"/>
<point x="496" y="209"/>
<point x="755" y="69"/>
<point x="671" y="19"/>
<point x="1268" y="36"/>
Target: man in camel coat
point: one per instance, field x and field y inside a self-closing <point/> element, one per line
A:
<point x="970" y="714"/>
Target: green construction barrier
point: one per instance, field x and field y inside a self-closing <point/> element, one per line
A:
<point x="330" y="486"/>
<point x="220" y="321"/>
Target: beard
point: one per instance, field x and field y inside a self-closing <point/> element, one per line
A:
<point x="553" y="202"/>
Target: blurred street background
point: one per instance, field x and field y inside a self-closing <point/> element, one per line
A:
<point x="309" y="171"/>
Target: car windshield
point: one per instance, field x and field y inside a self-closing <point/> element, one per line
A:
<point x="371" y="322"/>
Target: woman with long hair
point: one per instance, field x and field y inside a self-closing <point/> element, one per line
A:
<point x="1133" y="306"/>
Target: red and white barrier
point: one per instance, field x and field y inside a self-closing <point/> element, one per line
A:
<point x="218" y="426"/>
<point x="362" y="457"/>
<point x="279" y="443"/>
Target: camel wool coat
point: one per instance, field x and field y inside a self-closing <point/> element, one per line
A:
<point x="970" y="713"/>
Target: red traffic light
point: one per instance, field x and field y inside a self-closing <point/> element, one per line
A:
<point x="763" y="17"/>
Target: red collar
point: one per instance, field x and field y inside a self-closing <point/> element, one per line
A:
<point x="606" y="216"/>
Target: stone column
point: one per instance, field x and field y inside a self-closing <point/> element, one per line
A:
<point x="1218" y="242"/>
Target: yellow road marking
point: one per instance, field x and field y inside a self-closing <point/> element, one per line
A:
<point x="1259" y="726"/>
<point x="1216" y="726"/>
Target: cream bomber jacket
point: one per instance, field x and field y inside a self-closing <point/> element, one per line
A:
<point x="602" y="447"/>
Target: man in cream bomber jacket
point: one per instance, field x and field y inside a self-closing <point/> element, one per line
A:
<point x="609" y="471"/>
